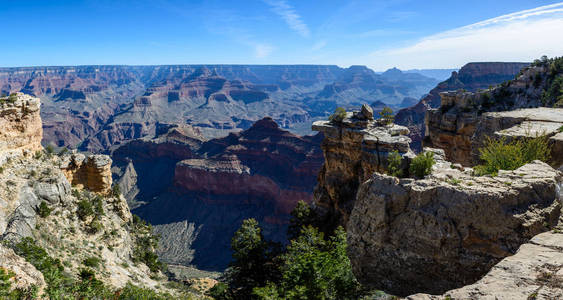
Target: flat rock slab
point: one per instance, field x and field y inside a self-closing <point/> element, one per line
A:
<point x="532" y="114"/>
<point x="531" y="129"/>
<point x="534" y="272"/>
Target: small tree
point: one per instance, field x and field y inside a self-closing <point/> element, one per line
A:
<point x="387" y="115"/>
<point x="394" y="164"/>
<point x="338" y="115"/>
<point x="252" y="265"/>
<point x="302" y="215"/>
<point x="422" y="164"/>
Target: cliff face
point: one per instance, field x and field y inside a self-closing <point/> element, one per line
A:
<point x="465" y="119"/>
<point x="92" y="172"/>
<point x="70" y="223"/>
<point x="533" y="272"/>
<point x="21" y="123"/>
<point x="471" y="77"/>
<point x="353" y="150"/>
<point x="447" y="230"/>
<point x="193" y="190"/>
<point x="263" y="162"/>
<point x="96" y="107"/>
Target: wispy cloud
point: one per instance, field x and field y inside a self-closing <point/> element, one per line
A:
<point x="290" y="16"/>
<point x="520" y="36"/>
<point x="319" y="45"/>
<point x="262" y="50"/>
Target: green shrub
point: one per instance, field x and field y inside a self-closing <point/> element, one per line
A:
<point x="302" y="215"/>
<point x="387" y="115"/>
<point x="116" y="190"/>
<point x="145" y="244"/>
<point x="422" y="164"/>
<point x="394" y="164"/>
<point x="95" y="227"/>
<point x="85" y="209"/>
<point x="338" y="115"/>
<point x="49" y="149"/>
<point x="499" y="154"/>
<point x="44" y="210"/>
<point x="91" y="261"/>
<point x="132" y="292"/>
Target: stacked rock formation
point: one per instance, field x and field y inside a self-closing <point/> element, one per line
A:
<point x="20" y="123"/>
<point x="354" y="149"/>
<point x="92" y="172"/>
<point x="448" y="229"/>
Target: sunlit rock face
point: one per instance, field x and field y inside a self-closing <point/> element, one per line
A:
<point x="471" y="77"/>
<point x="353" y="150"/>
<point x="449" y="229"/>
<point x="20" y="123"/>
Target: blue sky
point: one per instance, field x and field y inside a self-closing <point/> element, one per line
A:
<point x="379" y="34"/>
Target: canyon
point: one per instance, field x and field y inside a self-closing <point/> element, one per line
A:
<point x="193" y="190"/>
<point x="95" y="107"/>
<point x="44" y="213"/>
<point x="471" y="77"/>
<point x="453" y="234"/>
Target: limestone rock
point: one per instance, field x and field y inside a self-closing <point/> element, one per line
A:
<point x="447" y="230"/>
<point x="461" y="134"/>
<point x="353" y="150"/>
<point x="92" y="172"/>
<point x="366" y="112"/>
<point x="25" y="274"/>
<point x="534" y="272"/>
<point x="20" y="123"/>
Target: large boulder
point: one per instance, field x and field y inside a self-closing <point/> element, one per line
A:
<point x="447" y="230"/>
<point x="353" y="150"/>
<point x="535" y="272"/>
<point x="21" y="123"/>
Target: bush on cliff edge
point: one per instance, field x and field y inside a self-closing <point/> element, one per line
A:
<point x="500" y="154"/>
<point x="422" y="164"/>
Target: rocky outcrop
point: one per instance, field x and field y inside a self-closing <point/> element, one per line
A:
<point x="263" y="163"/>
<point x="534" y="272"/>
<point x="194" y="190"/>
<point x="92" y="172"/>
<point x="21" y="123"/>
<point x="461" y="131"/>
<point x="353" y="150"/>
<point x="39" y="207"/>
<point x="471" y="77"/>
<point x="449" y="229"/>
<point x="96" y="107"/>
<point x="24" y="276"/>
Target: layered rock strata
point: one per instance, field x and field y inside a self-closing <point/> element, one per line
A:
<point x="92" y="172"/>
<point x="448" y="229"/>
<point x="462" y="131"/>
<point x="20" y="123"/>
<point x="471" y="77"/>
<point x="353" y="150"/>
<point x="534" y="272"/>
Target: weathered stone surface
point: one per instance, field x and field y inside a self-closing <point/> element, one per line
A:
<point x="92" y="172"/>
<point x="20" y="124"/>
<point x="471" y="77"/>
<point x="353" y="150"/>
<point x="534" y="272"/>
<point x="461" y="134"/>
<point x="464" y="119"/>
<point x="25" y="275"/>
<point x="367" y="112"/>
<point x="447" y="230"/>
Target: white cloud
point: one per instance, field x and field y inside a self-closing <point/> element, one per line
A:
<point x="290" y="16"/>
<point x="262" y="50"/>
<point x="319" y="45"/>
<point x="520" y="36"/>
